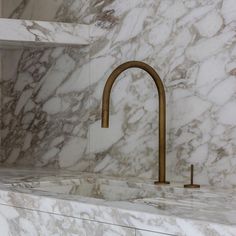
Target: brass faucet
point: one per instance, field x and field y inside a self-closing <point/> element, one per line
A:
<point x="162" y="109"/>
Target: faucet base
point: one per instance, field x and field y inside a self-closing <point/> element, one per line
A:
<point x="192" y="186"/>
<point x="161" y="183"/>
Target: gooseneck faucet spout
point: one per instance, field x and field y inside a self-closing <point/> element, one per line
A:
<point x="162" y="109"/>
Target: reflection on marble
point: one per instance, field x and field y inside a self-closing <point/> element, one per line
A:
<point x="52" y="98"/>
<point x="169" y="209"/>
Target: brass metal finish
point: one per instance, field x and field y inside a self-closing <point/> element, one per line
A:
<point x="192" y="185"/>
<point x="162" y="109"/>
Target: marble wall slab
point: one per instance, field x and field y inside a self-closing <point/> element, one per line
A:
<point x="52" y="98"/>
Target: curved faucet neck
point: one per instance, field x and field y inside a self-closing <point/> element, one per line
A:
<point x="162" y="108"/>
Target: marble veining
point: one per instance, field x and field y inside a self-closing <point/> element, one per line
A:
<point x="168" y="209"/>
<point x="56" y="10"/>
<point x="36" y="33"/>
<point x="19" y="221"/>
<point x="51" y="99"/>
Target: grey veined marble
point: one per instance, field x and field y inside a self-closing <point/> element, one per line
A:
<point x="51" y="99"/>
<point x="51" y="202"/>
<point x="39" y="33"/>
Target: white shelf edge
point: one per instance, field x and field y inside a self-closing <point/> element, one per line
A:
<point x="30" y="33"/>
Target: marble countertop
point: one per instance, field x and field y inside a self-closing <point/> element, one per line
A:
<point x="169" y="209"/>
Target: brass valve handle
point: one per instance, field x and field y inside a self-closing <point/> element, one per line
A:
<point x="192" y="185"/>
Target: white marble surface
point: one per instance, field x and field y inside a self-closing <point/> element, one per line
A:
<point x="51" y="103"/>
<point x="24" y="222"/>
<point x="168" y="209"/>
<point x="30" y="33"/>
<point x="43" y="10"/>
<point x="147" y="233"/>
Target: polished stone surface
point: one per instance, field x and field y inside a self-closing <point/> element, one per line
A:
<point x="51" y="99"/>
<point x="41" y="33"/>
<point x="163" y="209"/>
<point x="22" y="222"/>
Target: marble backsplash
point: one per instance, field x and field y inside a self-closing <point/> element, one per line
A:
<point x="51" y="98"/>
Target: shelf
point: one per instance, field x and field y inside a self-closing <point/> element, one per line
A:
<point x="28" y="33"/>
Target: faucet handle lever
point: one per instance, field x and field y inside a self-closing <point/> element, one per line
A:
<point x="192" y="185"/>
